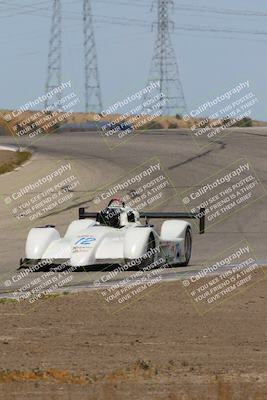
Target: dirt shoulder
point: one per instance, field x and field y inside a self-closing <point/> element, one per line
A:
<point x="71" y="347"/>
<point x="9" y="160"/>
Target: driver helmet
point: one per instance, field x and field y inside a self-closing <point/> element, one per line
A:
<point x="109" y="217"/>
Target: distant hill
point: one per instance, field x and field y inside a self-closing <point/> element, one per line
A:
<point x="46" y="122"/>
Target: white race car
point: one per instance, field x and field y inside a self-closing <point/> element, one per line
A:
<point x="114" y="235"/>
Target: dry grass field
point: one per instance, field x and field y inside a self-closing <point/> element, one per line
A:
<point x="71" y="347"/>
<point x="10" y="160"/>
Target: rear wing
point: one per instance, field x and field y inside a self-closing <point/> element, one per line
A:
<point x="157" y="215"/>
<point x="178" y="215"/>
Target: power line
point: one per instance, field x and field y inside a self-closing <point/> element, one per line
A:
<point x="220" y="30"/>
<point x="224" y="11"/>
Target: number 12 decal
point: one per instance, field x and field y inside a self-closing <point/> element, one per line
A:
<point x="85" y="241"/>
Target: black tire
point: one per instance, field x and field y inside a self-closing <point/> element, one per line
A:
<point x="187" y="247"/>
<point x="151" y="244"/>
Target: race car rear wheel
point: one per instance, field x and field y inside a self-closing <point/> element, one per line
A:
<point x="187" y="246"/>
<point x="151" y="244"/>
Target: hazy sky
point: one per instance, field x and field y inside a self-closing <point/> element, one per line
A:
<point x="210" y="62"/>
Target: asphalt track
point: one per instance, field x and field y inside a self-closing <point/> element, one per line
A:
<point x="98" y="165"/>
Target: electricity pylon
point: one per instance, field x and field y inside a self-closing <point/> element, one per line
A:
<point x="93" y="100"/>
<point x="54" y="55"/>
<point x="164" y="67"/>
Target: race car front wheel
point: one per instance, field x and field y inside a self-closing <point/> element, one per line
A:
<point x="187" y="246"/>
<point x="150" y="255"/>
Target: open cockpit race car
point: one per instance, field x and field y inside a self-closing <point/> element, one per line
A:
<point x="114" y="235"/>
